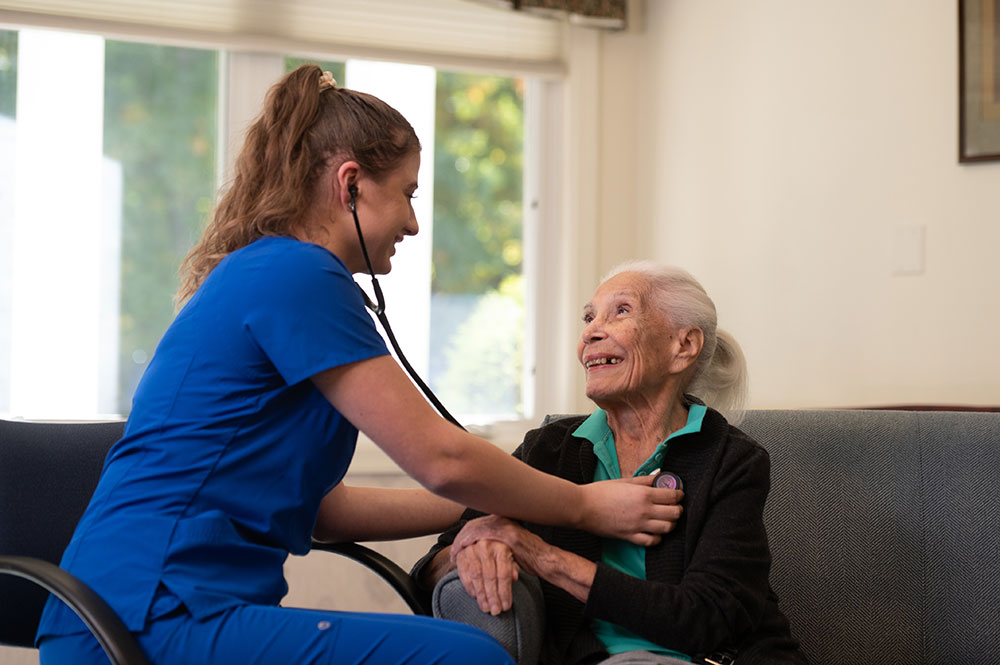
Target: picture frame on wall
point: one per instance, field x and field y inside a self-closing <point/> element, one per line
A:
<point x="979" y="80"/>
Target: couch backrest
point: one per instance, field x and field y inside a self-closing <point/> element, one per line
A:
<point x="883" y="526"/>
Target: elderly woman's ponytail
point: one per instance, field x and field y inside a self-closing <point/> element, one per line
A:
<point x="723" y="382"/>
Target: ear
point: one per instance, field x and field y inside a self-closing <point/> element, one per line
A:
<point x="690" y="342"/>
<point x="347" y="174"/>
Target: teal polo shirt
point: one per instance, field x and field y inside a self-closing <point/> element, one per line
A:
<point x="621" y="554"/>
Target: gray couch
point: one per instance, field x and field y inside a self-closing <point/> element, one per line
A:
<point x="883" y="530"/>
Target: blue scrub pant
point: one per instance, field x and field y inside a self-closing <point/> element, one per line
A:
<point x="257" y="635"/>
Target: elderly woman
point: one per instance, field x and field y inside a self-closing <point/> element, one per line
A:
<point x="653" y="358"/>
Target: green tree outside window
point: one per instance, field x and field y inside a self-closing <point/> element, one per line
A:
<point x="8" y="72"/>
<point x="477" y="304"/>
<point x="160" y="124"/>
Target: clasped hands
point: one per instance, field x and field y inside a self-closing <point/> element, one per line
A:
<point x="489" y="553"/>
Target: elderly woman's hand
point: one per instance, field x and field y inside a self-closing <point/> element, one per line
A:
<point x="486" y="563"/>
<point x="487" y="571"/>
<point x="483" y="544"/>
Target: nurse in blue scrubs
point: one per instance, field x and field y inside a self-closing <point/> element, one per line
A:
<point x="246" y="420"/>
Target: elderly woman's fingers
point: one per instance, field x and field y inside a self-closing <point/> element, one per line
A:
<point x="487" y="571"/>
<point x="487" y="527"/>
<point x="506" y="575"/>
<point x="471" y="574"/>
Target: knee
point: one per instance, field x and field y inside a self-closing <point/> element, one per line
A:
<point x="462" y="644"/>
<point x="519" y="631"/>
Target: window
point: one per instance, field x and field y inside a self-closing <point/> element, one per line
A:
<point x="97" y="221"/>
<point x="113" y="173"/>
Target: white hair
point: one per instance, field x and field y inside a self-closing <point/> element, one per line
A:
<point x="720" y="376"/>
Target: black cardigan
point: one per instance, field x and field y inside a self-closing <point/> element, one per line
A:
<point x="707" y="581"/>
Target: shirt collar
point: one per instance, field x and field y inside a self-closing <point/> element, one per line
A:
<point x="596" y="430"/>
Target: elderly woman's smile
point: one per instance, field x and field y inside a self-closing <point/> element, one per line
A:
<point x="600" y="361"/>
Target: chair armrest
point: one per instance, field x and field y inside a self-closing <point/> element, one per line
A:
<point x="117" y="642"/>
<point x="415" y="597"/>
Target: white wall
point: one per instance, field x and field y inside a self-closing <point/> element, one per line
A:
<point x="775" y="148"/>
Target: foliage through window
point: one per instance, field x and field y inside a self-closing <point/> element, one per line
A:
<point x="8" y="72"/>
<point x="160" y="113"/>
<point x="477" y="303"/>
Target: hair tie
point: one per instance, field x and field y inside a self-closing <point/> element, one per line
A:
<point x="326" y="80"/>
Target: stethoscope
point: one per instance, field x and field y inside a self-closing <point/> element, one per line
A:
<point x="664" y="479"/>
<point x="378" y="309"/>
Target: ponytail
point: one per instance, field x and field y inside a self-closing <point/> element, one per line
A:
<point x="305" y="121"/>
<point x="723" y="382"/>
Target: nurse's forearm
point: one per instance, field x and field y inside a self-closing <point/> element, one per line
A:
<point x="380" y="400"/>
<point x="370" y="513"/>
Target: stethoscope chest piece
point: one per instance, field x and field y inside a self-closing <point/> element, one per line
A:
<point x="667" y="480"/>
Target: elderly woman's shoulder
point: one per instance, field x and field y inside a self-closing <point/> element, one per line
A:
<point x="550" y="446"/>
<point x="556" y="427"/>
<point x="553" y="431"/>
<point x="562" y="421"/>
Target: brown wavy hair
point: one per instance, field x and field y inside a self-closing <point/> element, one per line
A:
<point x="286" y="148"/>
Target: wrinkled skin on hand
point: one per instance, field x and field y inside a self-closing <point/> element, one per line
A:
<point x="489" y="553"/>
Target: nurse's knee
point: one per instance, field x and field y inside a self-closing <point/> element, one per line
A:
<point x="464" y="644"/>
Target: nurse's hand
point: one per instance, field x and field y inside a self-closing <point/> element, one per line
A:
<point x="630" y="509"/>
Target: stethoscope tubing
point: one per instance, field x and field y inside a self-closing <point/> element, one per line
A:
<point x="378" y="309"/>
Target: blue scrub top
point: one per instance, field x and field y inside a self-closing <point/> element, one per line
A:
<point x="229" y="447"/>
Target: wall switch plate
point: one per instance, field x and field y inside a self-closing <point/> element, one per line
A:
<point x="908" y="245"/>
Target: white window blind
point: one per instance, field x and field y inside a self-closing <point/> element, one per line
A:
<point x="458" y="33"/>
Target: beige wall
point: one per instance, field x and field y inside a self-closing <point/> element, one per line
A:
<point x="775" y="148"/>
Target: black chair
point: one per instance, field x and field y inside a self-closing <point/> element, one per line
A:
<point x="48" y="472"/>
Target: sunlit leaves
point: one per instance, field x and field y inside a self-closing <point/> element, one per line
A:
<point x="477" y="246"/>
<point x="8" y="72"/>
<point x="160" y="126"/>
<point x="479" y="137"/>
